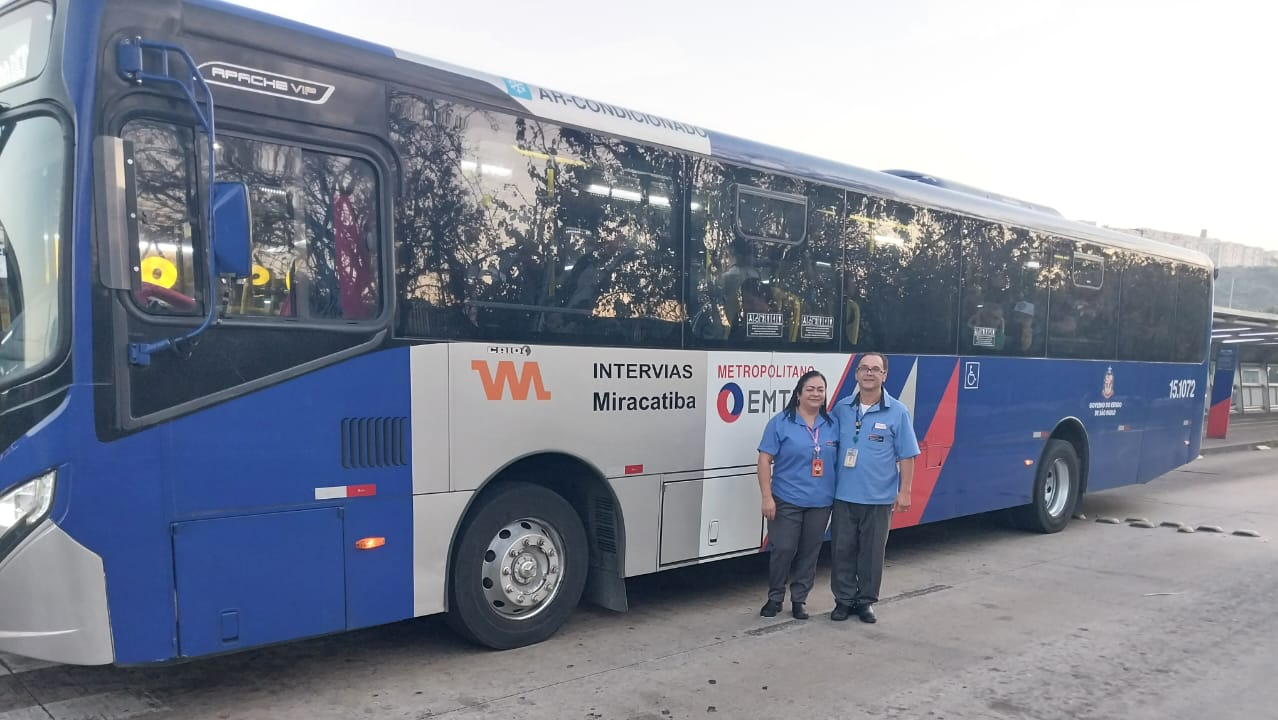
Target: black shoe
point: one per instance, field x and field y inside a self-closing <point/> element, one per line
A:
<point x="841" y="612"/>
<point x="799" y="613"/>
<point x="866" y="613"/>
<point x="770" y="608"/>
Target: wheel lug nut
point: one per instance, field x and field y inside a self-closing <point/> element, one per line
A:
<point x="541" y="542"/>
<point x="550" y="552"/>
<point x="505" y="571"/>
<point x="514" y="552"/>
<point x="510" y="589"/>
<point x="527" y="542"/>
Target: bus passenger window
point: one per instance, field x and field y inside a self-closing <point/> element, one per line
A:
<point x="518" y="230"/>
<point x="1004" y="290"/>
<point x="764" y="263"/>
<point x="1148" y="314"/>
<point x="315" y="243"/>
<point x="1084" y="301"/>
<point x="901" y="274"/>
<point x="1193" y="313"/>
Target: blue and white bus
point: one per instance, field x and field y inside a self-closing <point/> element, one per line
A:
<point x="301" y="334"/>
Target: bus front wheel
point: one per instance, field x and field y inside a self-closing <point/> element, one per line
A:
<point x="1055" y="493"/>
<point x="519" y="568"/>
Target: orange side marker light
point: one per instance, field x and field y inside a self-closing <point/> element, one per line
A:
<point x="370" y="543"/>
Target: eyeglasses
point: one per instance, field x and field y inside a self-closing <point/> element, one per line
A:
<point x="870" y="370"/>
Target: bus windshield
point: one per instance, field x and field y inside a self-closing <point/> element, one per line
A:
<point x="31" y="167"/>
<point x="24" y="41"/>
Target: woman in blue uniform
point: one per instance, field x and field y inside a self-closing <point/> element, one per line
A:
<point x="797" y="457"/>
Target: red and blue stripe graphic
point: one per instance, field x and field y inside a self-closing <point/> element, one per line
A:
<point x="931" y="385"/>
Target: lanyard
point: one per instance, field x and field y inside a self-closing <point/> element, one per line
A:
<point x="856" y="402"/>
<point x="815" y="432"/>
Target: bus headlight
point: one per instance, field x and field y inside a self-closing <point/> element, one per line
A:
<point x="23" y="507"/>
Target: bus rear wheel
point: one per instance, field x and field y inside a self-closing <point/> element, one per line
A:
<point x="1055" y="493"/>
<point x="519" y="568"/>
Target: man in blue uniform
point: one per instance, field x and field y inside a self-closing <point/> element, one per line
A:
<point x="875" y="474"/>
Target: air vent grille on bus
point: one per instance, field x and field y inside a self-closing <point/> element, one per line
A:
<point x="605" y="526"/>
<point x="373" y="442"/>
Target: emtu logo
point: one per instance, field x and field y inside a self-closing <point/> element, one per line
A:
<point x="731" y="402"/>
<point x="518" y="381"/>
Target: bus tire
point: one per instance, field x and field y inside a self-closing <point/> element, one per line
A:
<point x="1055" y="493"/>
<point x="519" y="567"/>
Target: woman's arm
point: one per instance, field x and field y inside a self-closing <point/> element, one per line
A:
<point x="765" y="485"/>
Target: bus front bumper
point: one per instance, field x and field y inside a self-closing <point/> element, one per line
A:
<point x="53" y="603"/>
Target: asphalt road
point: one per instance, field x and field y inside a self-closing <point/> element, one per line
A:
<point x="978" y="621"/>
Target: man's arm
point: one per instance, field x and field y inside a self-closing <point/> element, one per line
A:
<point x="906" y="468"/>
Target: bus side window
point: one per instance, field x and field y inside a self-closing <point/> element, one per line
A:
<point x="1148" y="312"/>
<point x="170" y="279"/>
<point x="1084" y="303"/>
<point x="512" y="229"/>
<point x="1193" y="313"/>
<point x="901" y="270"/>
<point x="1004" y="295"/>
<point x="764" y="260"/>
<point x="315" y="243"/>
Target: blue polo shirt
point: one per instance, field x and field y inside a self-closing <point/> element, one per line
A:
<point x="789" y="442"/>
<point x="887" y="435"/>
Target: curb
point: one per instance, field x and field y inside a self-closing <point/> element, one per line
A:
<point x="1237" y="446"/>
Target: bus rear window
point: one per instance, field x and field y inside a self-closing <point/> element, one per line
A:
<point x="24" y="42"/>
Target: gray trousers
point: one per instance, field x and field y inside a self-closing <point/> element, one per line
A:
<point x="858" y="538"/>
<point x="795" y="537"/>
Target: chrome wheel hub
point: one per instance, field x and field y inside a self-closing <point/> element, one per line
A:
<point x="522" y="569"/>
<point x="1056" y="488"/>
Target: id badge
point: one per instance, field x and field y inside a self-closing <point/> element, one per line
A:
<point x="818" y="467"/>
<point x="849" y="460"/>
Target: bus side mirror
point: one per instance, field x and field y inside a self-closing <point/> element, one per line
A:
<point x="231" y="229"/>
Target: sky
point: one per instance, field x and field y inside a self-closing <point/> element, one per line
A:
<point x="1127" y="113"/>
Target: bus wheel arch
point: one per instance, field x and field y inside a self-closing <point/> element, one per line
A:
<point x="1060" y="478"/>
<point x="560" y="511"/>
<point x="1071" y="430"/>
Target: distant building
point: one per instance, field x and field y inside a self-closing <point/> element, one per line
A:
<point x="1225" y="254"/>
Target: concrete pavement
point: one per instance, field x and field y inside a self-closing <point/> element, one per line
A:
<point x="978" y="621"/>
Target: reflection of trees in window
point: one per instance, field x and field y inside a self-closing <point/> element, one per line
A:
<point x="1166" y="310"/>
<point x="342" y="238"/>
<point x="624" y="194"/>
<point x="1148" y="312"/>
<point x="825" y="247"/>
<point x="770" y="216"/>
<point x="762" y="243"/>
<point x="902" y="270"/>
<point x="162" y="156"/>
<point x="1193" y="313"/>
<point x="438" y="212"/>
<point x="1007" y="272"/>
<point x="314" y="235"/>
<point x="272" y="174"/>
<point x="1084" y="300"/>
<point x="516" y="229"/>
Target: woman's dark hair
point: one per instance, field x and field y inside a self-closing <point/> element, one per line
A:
<point x="793" y="405"/>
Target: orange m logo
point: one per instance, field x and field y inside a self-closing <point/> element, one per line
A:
<point x="507" y="377"/>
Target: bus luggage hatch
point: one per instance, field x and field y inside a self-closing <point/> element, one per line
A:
<point x="255" y="579"/>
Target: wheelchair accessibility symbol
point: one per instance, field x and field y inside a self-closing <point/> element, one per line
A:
<point x="971" y="376"/>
